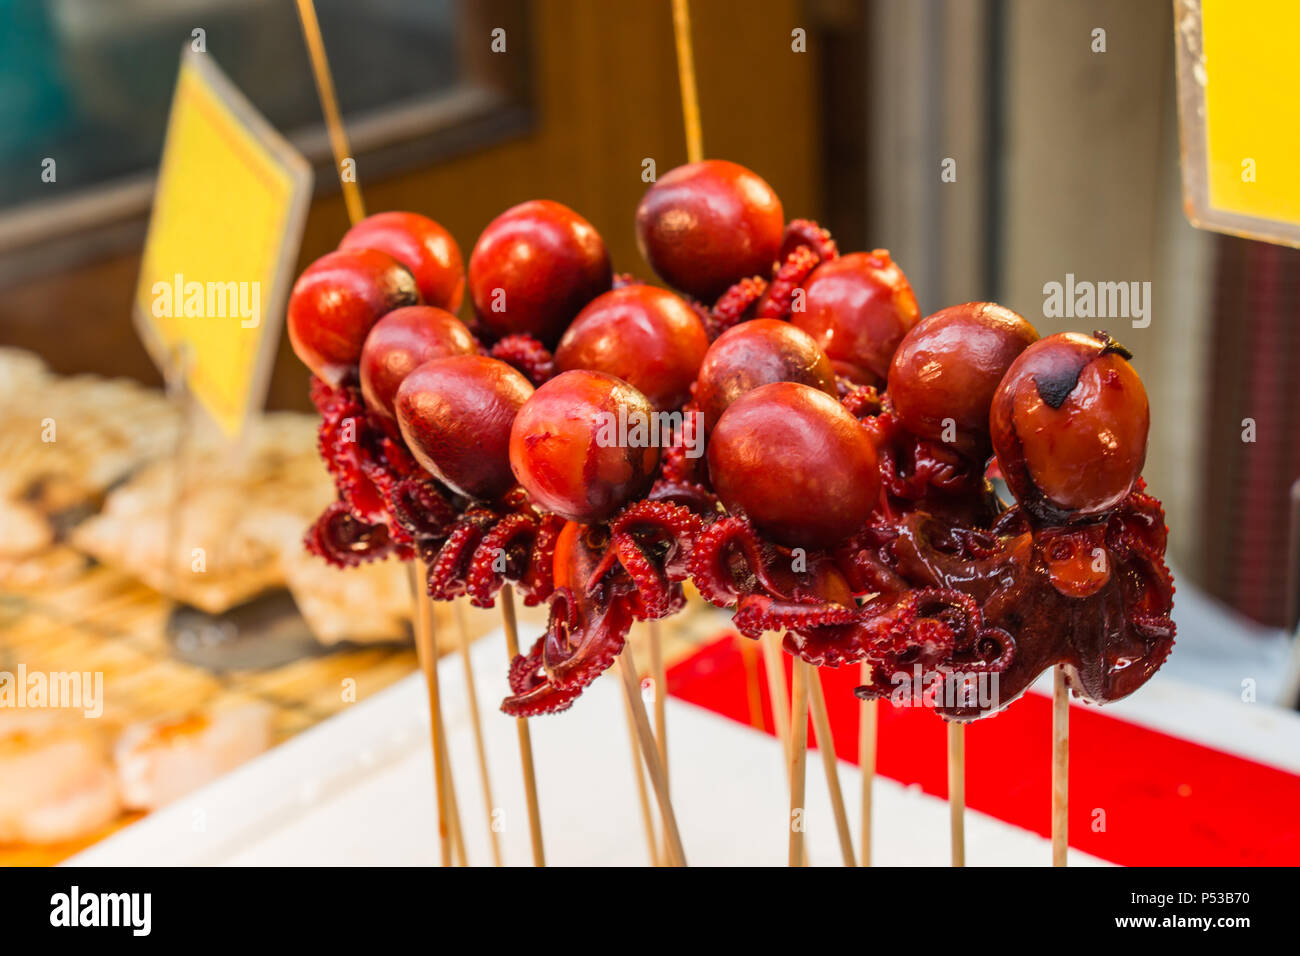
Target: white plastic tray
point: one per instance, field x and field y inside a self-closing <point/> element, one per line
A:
<point x="357" y="789"/>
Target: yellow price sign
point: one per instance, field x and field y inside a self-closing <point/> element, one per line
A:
<point x="1237" y="96"/>
<point x="228" y="215"/>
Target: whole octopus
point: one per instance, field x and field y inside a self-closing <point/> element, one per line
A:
<point x="782" y="430"/>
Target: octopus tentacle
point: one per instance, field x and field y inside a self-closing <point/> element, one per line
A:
<point x="806" y="232"/>
<point x="862" y="401"/>
<point x="710" y="562"/>
<point x="533" y="695"/>
<point x="526" y="354"/>
<point x="538" y="580"/>
<point x="736" y="301"/>
<point x="341" y="442"/>
<point x="344" y="540"/>
<point x="448" y="566"/>
<point x="688" y="494"/>
<point x="756" y="613"/>
<point x="577" y="651"/>
<point x="712" y="327"/>
<point x="648" y="540"/>
<point x="421" y="509"/>
<point x="500" y="554"/>
<point x="672" y="524"/>
<point x="778" y="300"/>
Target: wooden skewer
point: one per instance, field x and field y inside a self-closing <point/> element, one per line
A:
<point x="453" y="808"/>
<point x="830" y="763"/>
<point x="647" y="815"/>
<point x="1060" y="768"/>
<point x="957" y="790"/>
<point x="424" y="652"/>
<point x="686" y="79"/>
<point x="774" y="669"/>
<point x="659" y="675"/>
<point x="753" y="697"/>
<point x="798" y="759"/>
<point x="485" y="777"/>
<point x="867" y="730"/>
<point x="507" y="599"/>
<point x="776" y="691"/>
<point x="338" y="136"/>
<point x="650" y="755"/>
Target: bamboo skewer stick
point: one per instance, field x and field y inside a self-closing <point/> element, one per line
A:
<point x="686" y="78"/>
<point x="643" y="795"/>
<point x="830" y="763"/>
<point x="330" y="107"/>
<point x="957" y="790"/>
<point x="774" y="670"/>
<point x="753" y="697"/>
<point x="659" y="675"/>
<point x="650" y="755"/>
<point x="660" y="679"/>
<point x="507" y="600"/>
<point x="867" y="729"/>
<point x="776" y="691"/>
<point x="798" y="760"/>
<point x="1060" y="768"/>
<point x="453" y="808"/>
<point x="424" y="652"/>
<point x="476" y="721"/>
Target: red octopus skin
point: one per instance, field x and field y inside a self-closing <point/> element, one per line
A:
<point x="706" y="225"/>
<point x="948" y="367"/>
<point x="756" y="353"/>
<point x="604" y="577"/>
<point x="564" y="446"/>
<point x="858" y="308"/>
<point x="526" y="354"/>
<point x="797" y="463"/>
<point x="399" y="342"/>
<point x="933" y="574"/>
<point x="1069" y="424"/>
<point x="456" y="414"/>
<point x="533" y="269"/>
<point x="420" y="244"/>
<point x="646" y="336"/>
<point x="335" y="303"/>
<point x="585" y="633"/>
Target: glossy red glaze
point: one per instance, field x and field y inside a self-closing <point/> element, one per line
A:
<point x="533" y="269"/>
<point x="756" y="353"/>
<point x="1069" y="425"/>
<point x="706" y="225"/>
<point x="456" y="414"/>
<point x="644" y="335"/>
<point x="401" y="341"/>
<point x="858" y="308"/>
<point x="421" y="245"/>
<point x="566" y="450"/>
<point x="948" y="368"/>
<point x="797" y="463"/>
<point x="336" y="301"/>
